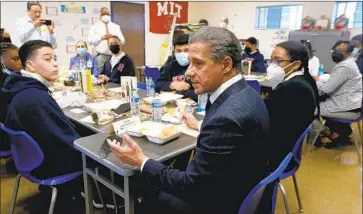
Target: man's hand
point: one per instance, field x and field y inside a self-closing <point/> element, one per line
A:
<point x="130" y="154"/>
<point x="51" y="27"/>
<point x="179" y="86"/>
<point x="190" y="121"/>
<point x="106" y="37"/>
<point x="103" y="78"/>
<point x="38" y="22"/>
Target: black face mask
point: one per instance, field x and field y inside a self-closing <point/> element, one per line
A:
<point x="248" y="49"/>
<point x="115" y="49"/>
<point x="337" y="56"/>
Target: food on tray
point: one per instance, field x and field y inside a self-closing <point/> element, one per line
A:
<point x="143" y="116"/>
<point x="69" y="82"/>
<point x="102" y="117"/>
<point x="167" y="131"/>
<point x="147" y="108"/>
<point x="100" y="95"/>
<point x="60" y="86"/>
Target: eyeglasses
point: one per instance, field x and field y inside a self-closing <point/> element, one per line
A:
<point x="278" y="61"/>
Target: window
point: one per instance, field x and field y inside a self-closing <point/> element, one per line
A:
<point x="279" y="17"/>
<point x="352" y="10"/>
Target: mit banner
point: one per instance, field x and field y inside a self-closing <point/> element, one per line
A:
<point x="161" y="15"/>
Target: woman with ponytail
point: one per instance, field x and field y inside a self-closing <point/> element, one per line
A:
<point x="293" y="104"/>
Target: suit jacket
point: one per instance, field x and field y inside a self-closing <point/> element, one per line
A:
<point x="229" y="158"/>
<point x="344" y="87"/>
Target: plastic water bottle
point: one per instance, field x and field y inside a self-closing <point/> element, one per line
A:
<point x="157" y="108"/>
<point x="150" y="87"/>
<point x="202" y="102"/>
<point x="135" y="105"/>
<point x="147" y="81"/>
<point x="321" y="70"/>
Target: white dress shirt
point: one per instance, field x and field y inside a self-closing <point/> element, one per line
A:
<point x="26" y="31"/>
<point x="98" y="30"/>
<point x="314" y="64"/>
<point x="214" y="95"/>
<point x="115" y="59"/>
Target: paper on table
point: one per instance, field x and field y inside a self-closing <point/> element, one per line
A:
<point x="77" y="110"/>
<point x="103" y="106"/>
<point x="87" y="119"/>
<point x="120" y="126"/>
<point x="118" y="89"/>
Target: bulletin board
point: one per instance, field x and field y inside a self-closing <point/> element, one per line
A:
<point x="72" y="23"/>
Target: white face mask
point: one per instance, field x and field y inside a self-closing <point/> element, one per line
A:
<point x="223" y="24"/>
<point x="105" y="18"/>
<point x="276" y="74"/>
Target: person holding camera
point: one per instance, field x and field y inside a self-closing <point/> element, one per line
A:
<point x="33" y="27"/>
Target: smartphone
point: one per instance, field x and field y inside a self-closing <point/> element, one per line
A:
<point x="47" y="22"/>
<point x="122" y="108"/>
<point x="105" y="149"/>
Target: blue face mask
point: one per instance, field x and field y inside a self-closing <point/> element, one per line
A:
<point x="355" y="52"/>
<point x="82" y="51"/>
<point x="182" y="58"/>
<point x="4" y="69"/>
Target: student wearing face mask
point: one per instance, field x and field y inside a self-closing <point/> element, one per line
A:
<point x="99" y="34"/>
<point x="292" y="103"/>
<point x="344" y="94"/>
<point x="358" y="51"/>
<point x="10" y="65"/>
<point x="251" y="52"/>
<point x="119" y="65"/>
<point x="9" y="60"/>
<point x="172" y="72"/>
<point x="84" y="60"/>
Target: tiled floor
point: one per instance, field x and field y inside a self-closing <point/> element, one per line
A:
<point x="330" y="182"/>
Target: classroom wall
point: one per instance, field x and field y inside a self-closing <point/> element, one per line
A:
<point x="242" y="16"/>
<point x="11" y="11"/>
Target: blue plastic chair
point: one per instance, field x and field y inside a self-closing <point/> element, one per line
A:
<point x="5" y="154"/>
<point x="296" y="151"/>
<point x="141" y="85"/>
<point x="28" y="156"/>
<point x="356" y="141"/>
<point x="255" y="85"/>
<point x="251" y="202"/>
<point x="152" y="72"/>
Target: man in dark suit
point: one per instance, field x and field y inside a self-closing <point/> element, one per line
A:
<point x="229" y="158"/>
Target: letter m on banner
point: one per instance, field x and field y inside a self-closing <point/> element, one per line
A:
<point x="161" y="15"/>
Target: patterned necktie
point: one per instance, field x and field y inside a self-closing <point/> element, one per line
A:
<point x="208" y="104"/>
<point x="107" y="31"/>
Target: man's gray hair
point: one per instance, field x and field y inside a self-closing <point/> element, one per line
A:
<point x="223" y="43"/>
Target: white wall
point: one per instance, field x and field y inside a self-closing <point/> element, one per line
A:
<point x="242" y="17"/>
<point x="11" y="11"/>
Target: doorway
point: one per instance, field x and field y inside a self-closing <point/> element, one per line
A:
<point x="131" y="18"/>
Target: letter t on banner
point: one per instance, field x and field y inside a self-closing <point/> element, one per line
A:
<point x="161" y="15"/>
